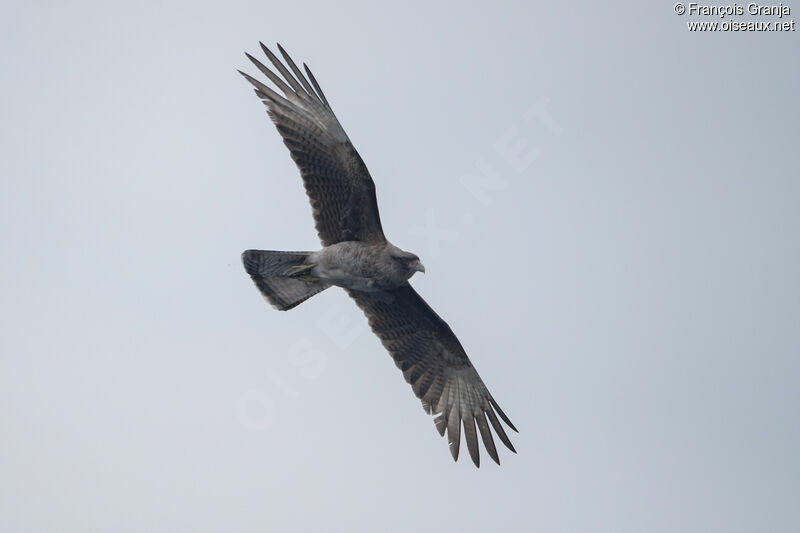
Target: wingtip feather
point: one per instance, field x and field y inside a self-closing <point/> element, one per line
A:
<point x="502" y="414"/>
<point x="486" y="435"/>
<point x="471" y="437"/>
<point x="454" y="433"/>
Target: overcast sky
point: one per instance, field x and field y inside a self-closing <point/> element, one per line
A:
<point x="607" y="205"/>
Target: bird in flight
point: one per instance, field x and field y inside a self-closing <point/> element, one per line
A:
<point x="357" y="257"/>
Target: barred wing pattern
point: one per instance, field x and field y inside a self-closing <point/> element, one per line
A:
<point x="434" y="363"/>
<point x="337" y="181"/>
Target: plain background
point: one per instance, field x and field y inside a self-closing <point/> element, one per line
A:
<point x="606" y="204"/>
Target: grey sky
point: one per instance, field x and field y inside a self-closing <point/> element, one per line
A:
<point x="606" y="205"/>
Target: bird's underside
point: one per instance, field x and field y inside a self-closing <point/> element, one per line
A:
<point x="357" y="257"/>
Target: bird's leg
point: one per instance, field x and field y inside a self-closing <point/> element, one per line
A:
<point x="299" y="271"/>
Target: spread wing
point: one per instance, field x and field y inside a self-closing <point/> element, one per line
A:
<point x="434" y="363"/>
<point x="337" y="181"/>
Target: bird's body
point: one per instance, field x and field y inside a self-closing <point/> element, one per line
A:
<point x="357" y="257"/>
<point x="369" y="267"/>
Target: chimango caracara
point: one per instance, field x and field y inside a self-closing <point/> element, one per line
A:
<point x="357" y="257"/>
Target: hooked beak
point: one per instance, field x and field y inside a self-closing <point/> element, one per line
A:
<point x="419" y="267"/>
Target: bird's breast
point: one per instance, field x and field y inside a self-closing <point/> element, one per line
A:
<point x="356" y="265"/>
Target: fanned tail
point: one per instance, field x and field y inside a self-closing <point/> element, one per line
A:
<point x="284" y="278"/>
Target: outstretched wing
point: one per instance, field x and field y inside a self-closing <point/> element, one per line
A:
<point x="337" y="181"/>
<point x="434" y="363"/>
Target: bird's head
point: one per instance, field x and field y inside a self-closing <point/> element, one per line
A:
<point x="410" y="262"/>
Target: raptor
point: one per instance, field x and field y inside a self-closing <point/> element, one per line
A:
<point x="357" y="257"/>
